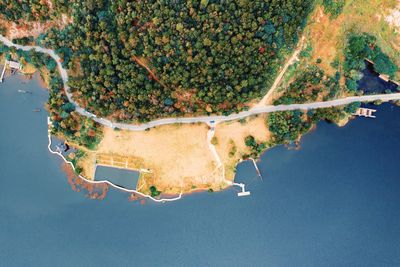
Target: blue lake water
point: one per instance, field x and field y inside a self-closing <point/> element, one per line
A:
<point x="371" y="83"/>
<point x="121" y="177"/>
<point x="334" y="202"/>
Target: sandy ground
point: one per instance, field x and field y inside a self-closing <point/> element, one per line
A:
<point x="231" y="134"/>
<point x="28" y="69"/>
<point x="177" y="156"/>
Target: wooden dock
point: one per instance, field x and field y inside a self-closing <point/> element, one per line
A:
<point x="365" y="112"/>
<point x="13" y="65"/>
<point x="4" y="71"/>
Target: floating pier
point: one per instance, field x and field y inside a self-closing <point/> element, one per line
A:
<point x="365" y="112"/>
<point x="244" y="192"/>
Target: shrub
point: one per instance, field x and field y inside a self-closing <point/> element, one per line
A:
<point x="333" y="7"/>
<point x="154" y="192"/>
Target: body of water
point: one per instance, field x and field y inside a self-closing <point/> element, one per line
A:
<point x="121" y="177"/>
<point x="370" y="83"/>
<point x="334" y="202"/>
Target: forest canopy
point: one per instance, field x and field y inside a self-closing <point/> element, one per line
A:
<point x="32" y="10"/>
<point x="142" y="59"/>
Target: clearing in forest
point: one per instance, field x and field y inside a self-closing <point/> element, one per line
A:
<point x="328" y="35"/>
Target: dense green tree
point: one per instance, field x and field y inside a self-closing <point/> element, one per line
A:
<point x="360" y="47"/>
<point x="31" y="10"/>
<point x="142" y="59"/>
<point x="287" y="126"/>
<point x="310" y="83"/>
<point x="333" y="7"/>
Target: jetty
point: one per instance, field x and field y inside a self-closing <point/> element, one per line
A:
<point x="365" y="112"/>
<point x="14" y="66"/>
<point x="3" y="71"/>
<point x="244" y="192"/>
<point x="256" y="167"/>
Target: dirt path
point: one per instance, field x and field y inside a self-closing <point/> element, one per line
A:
<point x="144" y="65"/>
<point x="264" y="101"/>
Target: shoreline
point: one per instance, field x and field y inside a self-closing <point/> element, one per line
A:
<point x="131" y="191"/>
<point x="211" y="121"/>
<point x="171" y="197"/>
<point x="167" y="197"/>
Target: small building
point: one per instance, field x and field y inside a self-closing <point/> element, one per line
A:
<point x="14" y="65"/>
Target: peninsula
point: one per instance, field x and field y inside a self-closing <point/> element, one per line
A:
<point x="187" y="114"/>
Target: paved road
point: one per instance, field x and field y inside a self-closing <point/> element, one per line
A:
<point x="203" y="119"/>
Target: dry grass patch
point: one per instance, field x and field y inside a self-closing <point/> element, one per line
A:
<point x="87" y="163"/>
<point x="178" y="155"/>
<point x="231" y="135"/>
<point x="328" y="36"/>
<point x="369" y="16"/>
<point x="28" y="69"/>
<point x="325" y="37"/>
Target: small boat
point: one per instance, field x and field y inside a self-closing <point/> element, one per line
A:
<point x="37" y="110"/>
<point x="66" y="147"/>
<point x="24" y="92"/>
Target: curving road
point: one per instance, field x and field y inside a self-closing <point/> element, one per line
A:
<point x="203" y="119"/>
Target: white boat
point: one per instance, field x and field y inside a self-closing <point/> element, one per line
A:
<point x="24" y="92"/>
